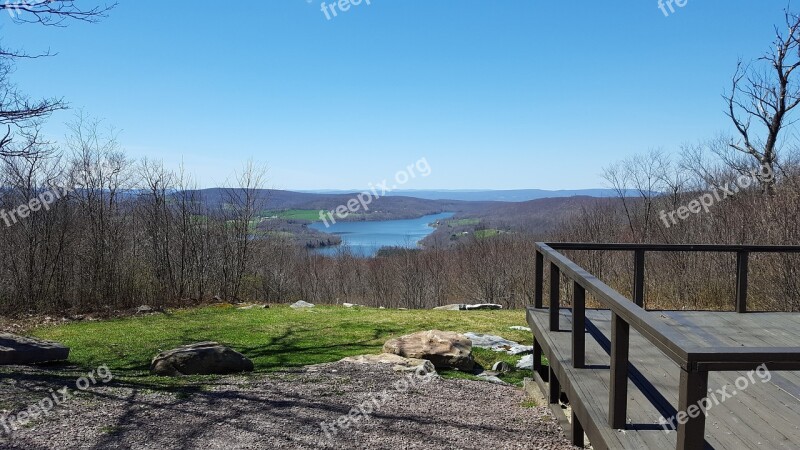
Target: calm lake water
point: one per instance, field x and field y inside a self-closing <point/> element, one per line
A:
<point x="366" y="238"/>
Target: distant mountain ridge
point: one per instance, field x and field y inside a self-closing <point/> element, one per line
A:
<point x="476" y="195"/>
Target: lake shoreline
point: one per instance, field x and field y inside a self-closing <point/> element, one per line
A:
<point x="366" y="238"/>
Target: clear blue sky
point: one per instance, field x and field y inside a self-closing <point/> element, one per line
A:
<point x="495" y="94"/>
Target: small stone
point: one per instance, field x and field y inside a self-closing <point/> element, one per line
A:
<point x="501" y="367"/>
<point x="301" y="304"/>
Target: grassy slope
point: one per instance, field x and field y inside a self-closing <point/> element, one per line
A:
<point x="274" y="338"/>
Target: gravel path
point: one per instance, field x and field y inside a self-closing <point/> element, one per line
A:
<point x="284" y="410"/>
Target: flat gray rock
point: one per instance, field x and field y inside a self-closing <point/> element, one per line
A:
<point x="466" y="307"/>
<point x="301" y="304"/>
<point x="526" y="362"/>
<point x="26" y="350"/>
<point x="497" y="344"/>
<point x="491" y="378"/>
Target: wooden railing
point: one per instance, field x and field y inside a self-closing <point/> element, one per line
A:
<point x="695" y="362"/>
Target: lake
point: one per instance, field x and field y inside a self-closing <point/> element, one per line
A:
<point x="366" y="238"/>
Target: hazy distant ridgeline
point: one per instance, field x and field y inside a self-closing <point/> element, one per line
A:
<point x="511" y="195"/>
<point x="383" y="208"/>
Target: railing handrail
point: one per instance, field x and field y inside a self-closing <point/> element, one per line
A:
<point x="715" y="248"/>
<point x="672" y="343"/>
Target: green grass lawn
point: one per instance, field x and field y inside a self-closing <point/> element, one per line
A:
<point x="463" y="222"/>
<point x="275" y="338"/>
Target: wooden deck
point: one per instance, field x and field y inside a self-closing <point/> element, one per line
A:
<point x="763" y="415"/>
<point x="725" y="380"/>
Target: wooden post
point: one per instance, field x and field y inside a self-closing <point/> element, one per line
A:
<point x="742" y="260"/>
<point x="554" y="396"/>
<point x="638" y="277"/>
<point x="579" y="326"/>
<point x="691" y="430"/>
<point x="618" y="400"/>
<point x="577" y="431"/>
<point x="537" y="357"/>
<point x="555" y="296"/>
<point x="539" y="282"/>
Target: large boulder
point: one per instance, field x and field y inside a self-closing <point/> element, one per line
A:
<point x="445" y="349"/>
<point x="466" y="307"/>
<point x="399" y="363"/>
<point x="28" y="350"/>
<point x="204" y="358"/>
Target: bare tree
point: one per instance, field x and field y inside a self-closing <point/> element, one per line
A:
<point x="766" y="91"/>
<point x="19" y="114"/>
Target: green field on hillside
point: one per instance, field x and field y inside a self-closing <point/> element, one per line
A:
<point x="297" y="214"/>
<point x="482" y="234"/>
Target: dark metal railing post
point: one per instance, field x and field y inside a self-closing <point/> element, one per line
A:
<point x="554" y="391"/>
<point x="692" y="419"/>
<point x="638" y="277"/>
<point x="742" y="260"/>
<point x="537" y="358"/>
<point x="555" y="296"/>
<point x="579" y="326"/>
<point x="618" y="400"/>
<point x="577" y="431"/>
<point x="539" y="282"/>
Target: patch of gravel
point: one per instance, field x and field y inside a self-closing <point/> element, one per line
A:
<point x="282" y="410"/>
